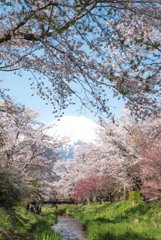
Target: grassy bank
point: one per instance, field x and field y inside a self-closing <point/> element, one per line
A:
<point x="19" y="224"/>
<point x="127" y="220"/>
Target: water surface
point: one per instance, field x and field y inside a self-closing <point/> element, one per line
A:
<point x="69" y="228"/>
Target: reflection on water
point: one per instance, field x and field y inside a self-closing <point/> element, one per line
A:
<point x="69" y="229"/>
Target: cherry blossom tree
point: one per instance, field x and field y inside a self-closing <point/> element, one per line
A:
<point x="108" y="156"/>
<point x="151" y="170"/>
<point x="93" y="189"/>
<point x="126" y="150"/>
<point x="85" y="49"/>
<point x="140" y="142"/>
<point x="85" y="190"/>
<point x="134" y="141"/>
<point x="91" y="160"/>
<point x="26" y="150"/>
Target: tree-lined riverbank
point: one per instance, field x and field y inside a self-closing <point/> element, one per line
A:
<point x="130" y="219"/>
<point x="126" y="220"/>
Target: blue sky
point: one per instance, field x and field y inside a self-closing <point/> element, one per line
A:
<point x="21" y="92"/>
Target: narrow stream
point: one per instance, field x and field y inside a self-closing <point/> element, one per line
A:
<point x="69" y="228"/>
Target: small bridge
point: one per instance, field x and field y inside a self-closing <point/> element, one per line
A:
<point x="35" y="207"/>
<point x="58" y="201"/>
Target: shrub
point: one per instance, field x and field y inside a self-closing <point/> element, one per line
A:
<point x="10" y="193"/>
<point x="134" y="197"/>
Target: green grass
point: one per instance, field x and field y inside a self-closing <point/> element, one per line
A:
<point x="126" y="220"/>
<point x="19" y="224"/>
<point x="5" y="219"/>
<point x="43" y="231"/>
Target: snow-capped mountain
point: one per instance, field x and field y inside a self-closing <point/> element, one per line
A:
<point x="76" y="128"/>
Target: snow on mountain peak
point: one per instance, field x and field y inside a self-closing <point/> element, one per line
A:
<point x="76" y="128"/>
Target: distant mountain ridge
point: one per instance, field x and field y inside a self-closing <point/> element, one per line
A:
<point x="67" y="152"/>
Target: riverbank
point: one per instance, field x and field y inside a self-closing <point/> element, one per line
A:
<point x="20" y="224"/>
<point x="126" y="220"/>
